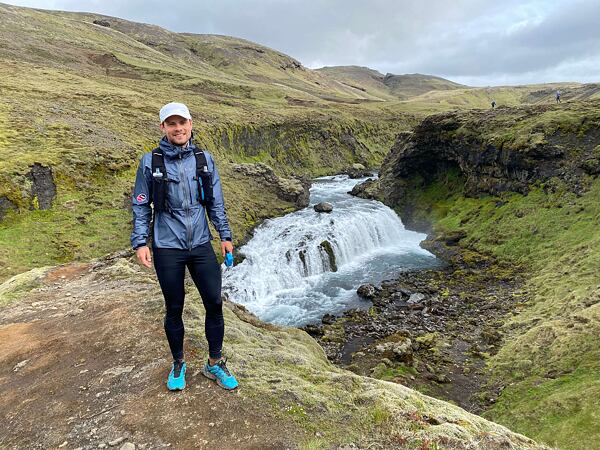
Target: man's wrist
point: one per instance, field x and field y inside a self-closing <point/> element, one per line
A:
<point x="226" y="239"/>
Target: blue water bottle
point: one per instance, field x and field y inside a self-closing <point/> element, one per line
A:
<point x="228" y="259"/>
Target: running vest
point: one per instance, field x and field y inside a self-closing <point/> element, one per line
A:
<point x="159" y="181"/>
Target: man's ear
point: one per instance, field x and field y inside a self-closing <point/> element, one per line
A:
<point x="162" y="127"/>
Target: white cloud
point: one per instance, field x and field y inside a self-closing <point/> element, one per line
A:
<point x="485" y="41"/>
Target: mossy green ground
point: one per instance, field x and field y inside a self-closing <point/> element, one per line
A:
<point x="549" y="364"/>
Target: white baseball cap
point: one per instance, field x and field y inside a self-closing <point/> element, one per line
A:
<point x="174" y="109"/>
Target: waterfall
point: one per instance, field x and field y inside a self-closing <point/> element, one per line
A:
<point x="306" y="264"/>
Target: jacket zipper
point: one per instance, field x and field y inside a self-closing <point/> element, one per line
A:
<point x="186" y="205"/>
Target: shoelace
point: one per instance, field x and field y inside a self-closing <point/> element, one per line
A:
<point x="222" y="365"/>
<point x="177" y="366"/>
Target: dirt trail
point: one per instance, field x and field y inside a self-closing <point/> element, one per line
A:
<point x="83" y="364"/>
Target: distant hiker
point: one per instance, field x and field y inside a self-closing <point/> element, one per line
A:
<point x="557" y="96"/>
<point x="493" y="104"/>
<point x="182" y="183"/>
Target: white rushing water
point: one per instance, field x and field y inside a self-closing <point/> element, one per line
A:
<point x="287" y="276"/>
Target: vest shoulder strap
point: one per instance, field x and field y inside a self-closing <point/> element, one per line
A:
<point x="159" y="181"/>
<point x="204" y="178"/>
<point x="158" y="162"/>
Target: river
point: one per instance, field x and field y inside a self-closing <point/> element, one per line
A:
<point x="287" y="276"/>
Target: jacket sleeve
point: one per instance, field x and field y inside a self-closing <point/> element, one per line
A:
<point x="217" y="212"/>
<point x="140" y="206"/>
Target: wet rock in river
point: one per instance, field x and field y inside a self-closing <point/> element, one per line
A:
<point x="367" y="291"/>
<point x="328" y="249"/>
<point x="323" y="207"/>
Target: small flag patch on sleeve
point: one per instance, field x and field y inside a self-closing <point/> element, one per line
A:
<point x="141" y="198"/>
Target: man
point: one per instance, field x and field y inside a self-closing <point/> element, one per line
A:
<point x="183" y="185"/>
<point x="557" y="96"/>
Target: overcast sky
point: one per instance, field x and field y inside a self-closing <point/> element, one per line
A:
<point x="476" y="42"/>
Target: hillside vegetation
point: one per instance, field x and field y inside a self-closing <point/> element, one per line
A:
<point x="80" y="99"/>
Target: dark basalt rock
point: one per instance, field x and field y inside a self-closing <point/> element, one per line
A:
<point x="5" y="205"/>
<point x="367" y="189"/>
<point x="43" y="188"/>
<point x="326" y="247"/>
<point x="328" y="319"/>
<point x="367" y="291"/>
<point x="102" y="23"/>
<point x="323" y="207"/>
<point x="454" y="143"/>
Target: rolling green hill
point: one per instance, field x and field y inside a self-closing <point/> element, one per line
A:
<point x="388" y="86"/>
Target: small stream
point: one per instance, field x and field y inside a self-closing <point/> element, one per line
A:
<point x="288" y="277"/>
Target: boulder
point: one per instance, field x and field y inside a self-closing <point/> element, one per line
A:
<point x="326" y="247"/>
<point x="367" y="189"/>
<point x="323" y="207"/>
<point x="328" y="319"/>
<point x="357" y="170"/>
<point x="367" y="291"/>
<point x="416" y="301"/>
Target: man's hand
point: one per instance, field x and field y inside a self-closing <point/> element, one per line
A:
<point x="144" y="256"/>
<point x="226" y="246"/>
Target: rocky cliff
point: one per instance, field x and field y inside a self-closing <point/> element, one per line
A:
<point x="503" y="150"/>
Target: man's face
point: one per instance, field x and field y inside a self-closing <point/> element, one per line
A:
<point x="177" y="129"/>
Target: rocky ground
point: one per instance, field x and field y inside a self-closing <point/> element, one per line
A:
<point x="430" y="330"/>
<point x="84" y="364"/>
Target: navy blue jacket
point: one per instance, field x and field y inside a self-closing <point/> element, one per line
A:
<point x="186" y="227"/>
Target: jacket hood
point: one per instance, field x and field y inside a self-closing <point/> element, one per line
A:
<point x="174" y="151"/>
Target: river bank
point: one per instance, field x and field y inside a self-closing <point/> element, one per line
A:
<point x="431" y="330"/>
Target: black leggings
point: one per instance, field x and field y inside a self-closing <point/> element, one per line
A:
<point x="205" y="271"/>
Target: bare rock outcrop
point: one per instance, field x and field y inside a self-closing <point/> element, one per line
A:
<point x="289" y="189"/>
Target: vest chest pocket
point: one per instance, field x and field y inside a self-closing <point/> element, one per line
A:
<point x="175" y="193"/>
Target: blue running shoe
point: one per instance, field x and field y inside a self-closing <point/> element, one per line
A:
<point x="176" y="381"/>
<point x="221" y="374"/>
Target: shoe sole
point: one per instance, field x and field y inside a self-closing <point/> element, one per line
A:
<point x="210" y="376"/>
